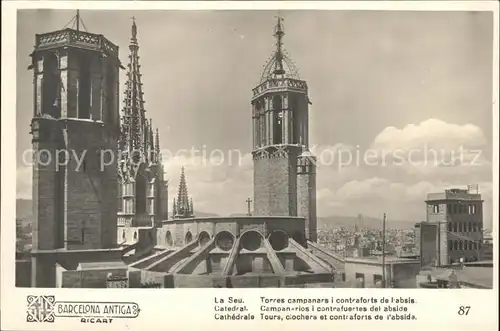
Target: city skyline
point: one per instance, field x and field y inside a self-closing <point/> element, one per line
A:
<point x="395" y="115"/>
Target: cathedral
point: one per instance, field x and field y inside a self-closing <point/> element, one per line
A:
<point x="109" y="226"/>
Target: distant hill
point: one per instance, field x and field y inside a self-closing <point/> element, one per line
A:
<point x="368" y="222"/>
<point x="24" y="213"/>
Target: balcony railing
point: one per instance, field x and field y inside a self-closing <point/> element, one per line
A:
<point x="135" y="220"/>
<point x="70" y="37"/>
<point x="124" y="220"/>
<point x="280" y="83"/>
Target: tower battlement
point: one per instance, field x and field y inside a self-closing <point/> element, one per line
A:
<point x="279" y="85"/>
<point x="77" y="39"/>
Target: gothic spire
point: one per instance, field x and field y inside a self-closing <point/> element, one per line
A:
<point x="134" y="122"/>
<point x="183" y="203"/>
<point x="182" y="194"/>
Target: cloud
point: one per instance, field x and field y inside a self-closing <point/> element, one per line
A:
<point x="432" y="133"/>
<point x="378" y="184"/>
<point x="218" y="182"/>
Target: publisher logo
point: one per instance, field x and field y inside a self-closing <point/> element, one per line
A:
<point x="46" y="309"/>
<point x="40" y="308"/>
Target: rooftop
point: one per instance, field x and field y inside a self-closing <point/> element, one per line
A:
<point x="230" y="219"/>
<point x="482" y="276"/>
<point x="455" y="194"/>
<point x="378" y="260"/>
<point x="101" y="265"/>
<point x="472" y="275"/>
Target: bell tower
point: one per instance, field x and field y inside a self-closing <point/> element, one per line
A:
<point x="75" y="130"/>
<point x="280" y="107"/>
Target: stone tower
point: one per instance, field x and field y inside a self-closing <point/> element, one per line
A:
<point x="183" y="206"/>
<point x="75" y="130"/>
<point x="142" y="190"/>
<point x="284" y="169"/>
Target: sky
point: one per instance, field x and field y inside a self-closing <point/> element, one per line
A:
<point x="379" y="82"/>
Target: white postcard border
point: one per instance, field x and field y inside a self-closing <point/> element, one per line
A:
<point x="188" y="309"/>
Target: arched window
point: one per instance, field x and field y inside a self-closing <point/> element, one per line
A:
<point x="203" y="238"/>
<point x="51" y="86"/>
<point x="84" y="88"/>
<point x="277" y="120"/>
<point x="119" y="196"/>
<point x="168" y="239"/>
<point x="140" y="192"/>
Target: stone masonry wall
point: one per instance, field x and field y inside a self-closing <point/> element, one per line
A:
<point x="275" y="182"/>
<point x="306" y="203"/>
<point x="91" y="189"/>
<point x="428" y="244"/>
<point x="46" y="139"/>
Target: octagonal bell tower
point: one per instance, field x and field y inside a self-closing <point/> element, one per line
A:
<point x="280" y="107"/>
<point x="75" y="129"/>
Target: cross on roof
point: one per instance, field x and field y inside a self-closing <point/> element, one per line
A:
<point x="248" y="204"/>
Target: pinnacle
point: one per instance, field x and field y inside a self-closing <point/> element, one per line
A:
<point x="184" y="203"/>
<point x="134" y="128"/>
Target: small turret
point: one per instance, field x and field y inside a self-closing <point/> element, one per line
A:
<point x="306" y="192"/>
<point x="184" y="205"/>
